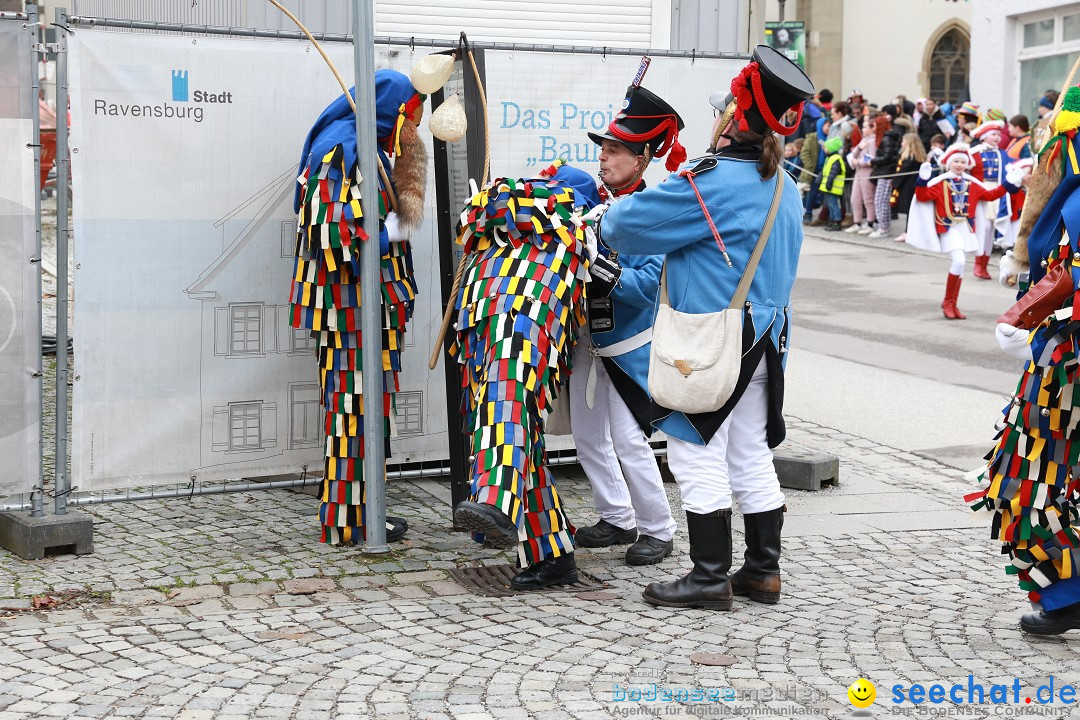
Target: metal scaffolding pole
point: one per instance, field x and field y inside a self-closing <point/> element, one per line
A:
<point x="62" y="482"/>
<point x="37" y="494"/>
<point x="370" y="280"/>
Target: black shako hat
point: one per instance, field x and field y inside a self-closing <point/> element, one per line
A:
<point x="645" y="119"/>
<point x="770" y="85"/>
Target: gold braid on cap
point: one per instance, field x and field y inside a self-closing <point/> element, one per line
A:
<point x="725" y="122"/>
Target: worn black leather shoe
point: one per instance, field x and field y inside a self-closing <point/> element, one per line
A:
<point x="648" y="550"/>
<point x="395" y="528"/>
<point x="1053" y="622"/>
<point x="477" y="517"/>
<point x="604" y="534"/>
<point x="560" y="570"/>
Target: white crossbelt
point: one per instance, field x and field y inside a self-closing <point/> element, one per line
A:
<point x="620" y="348"/>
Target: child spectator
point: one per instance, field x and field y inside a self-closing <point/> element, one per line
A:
<point x="1019" y="147"/>
<point x="912" y="156"/>
<point x="833" y="174"/>
<point x="792" y="161"/>
<point x="862" y="189"/>
<point x="937" y="149"/>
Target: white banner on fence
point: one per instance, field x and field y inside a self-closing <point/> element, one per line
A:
<point x="185" y="156"/>
<point x="543" y="105"/>
<point x="20" y="303"/>
<point x="184" y="159"/>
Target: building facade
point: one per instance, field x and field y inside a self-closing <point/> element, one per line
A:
<point x="1021" y="50"/>
<point x="885" y="48"/>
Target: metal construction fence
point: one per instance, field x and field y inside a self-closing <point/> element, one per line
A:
<point x="187" y="377"/>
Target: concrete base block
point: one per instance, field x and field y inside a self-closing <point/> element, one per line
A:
<point x="806" y="470"/>
<point x="31" y="537"/>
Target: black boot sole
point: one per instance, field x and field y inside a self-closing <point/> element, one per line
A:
<point x="759" y="597"/>
<point x="568" y="579"/>
<point x="638" y="560"/>
<point x="627" y="538"/>
<point x="479" y="522"/>
<point x="703" y="604"/>
<point x="1046" y="630"/>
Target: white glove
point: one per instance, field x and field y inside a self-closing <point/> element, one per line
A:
<point x="596" y="213"/>
<point x="394" y="230"/>
<point x="804" y="187"/>
<point x="926" y="170"/>
<point x="1008" y="270"/>
<point x="592" y="245"/>
<point x="1014" y="341"/>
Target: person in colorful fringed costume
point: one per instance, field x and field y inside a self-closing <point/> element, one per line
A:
<point x="715" y="208"/>
<point x="326" y="286"/>
<point x="520" y="310"/>
<point x="988" y="167"/>
<point x="1032" y="478"/>
<point x="946" y="212"/>
<point x="610" y="409"/>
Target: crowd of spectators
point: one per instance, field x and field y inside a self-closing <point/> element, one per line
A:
<point x="865" y="182"/>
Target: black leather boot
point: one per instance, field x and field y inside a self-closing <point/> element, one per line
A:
<point x="396" y="528"/>
<point x="706" y="586"/>
<point x="496" y="527"/>
<point x="560" y="570"/>
<point x="759" y="577"/>
<point x="1053" y="622"/>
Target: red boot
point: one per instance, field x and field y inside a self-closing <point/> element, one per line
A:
<point x="980" y="267"/>
<point x="952" y="292"/>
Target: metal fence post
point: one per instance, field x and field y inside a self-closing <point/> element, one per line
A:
<point x="62" y="482"/>
<point x="37" y="493"/>
<point x="370" y="280"/>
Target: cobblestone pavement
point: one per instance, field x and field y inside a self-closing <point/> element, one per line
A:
<point x="227" y="607"/>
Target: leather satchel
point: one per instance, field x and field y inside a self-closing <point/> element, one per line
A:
<point x="1042" y="299"/>
<point x="695" y="359"/>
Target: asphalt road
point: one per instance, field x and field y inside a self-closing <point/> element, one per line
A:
<point x="872" y="354"/>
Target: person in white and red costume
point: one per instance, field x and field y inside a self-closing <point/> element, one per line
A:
<point x="988" y="167"/>
<point x="947" y="210"/>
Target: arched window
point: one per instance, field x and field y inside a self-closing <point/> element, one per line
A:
<point x="949" y="63"/>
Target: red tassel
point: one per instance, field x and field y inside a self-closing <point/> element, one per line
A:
<point x="676" y="157"/>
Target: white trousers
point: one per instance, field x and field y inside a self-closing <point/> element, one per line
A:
<point x="737" y="459"/>
<point x="616" y="456"/>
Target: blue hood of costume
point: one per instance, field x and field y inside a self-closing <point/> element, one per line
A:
<point x="1062" y="211"/>
<point x="582" y="183"/>
<point x="337" y="125"/>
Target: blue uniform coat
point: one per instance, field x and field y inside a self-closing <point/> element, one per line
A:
<point x="668" y="220"/>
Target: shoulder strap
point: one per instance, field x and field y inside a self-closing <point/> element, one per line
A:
<point x="748" y="274"/>
<point x="743" y="289"/>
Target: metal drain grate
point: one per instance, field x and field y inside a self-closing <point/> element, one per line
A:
<point x="494" y="581"/>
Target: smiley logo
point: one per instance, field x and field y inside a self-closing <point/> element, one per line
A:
<point x="862" y="693"/>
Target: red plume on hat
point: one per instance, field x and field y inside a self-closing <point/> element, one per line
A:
<point x="770" y="85"/>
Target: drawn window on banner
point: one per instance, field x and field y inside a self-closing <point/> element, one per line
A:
<point x="245" y="336"/>
<point x="304" y="415"/>
<point x="410" y="413"/>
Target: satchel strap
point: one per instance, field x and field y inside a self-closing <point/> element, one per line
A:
<point x="743" y="288"/>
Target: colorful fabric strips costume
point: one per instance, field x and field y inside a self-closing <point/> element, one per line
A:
<point x="326" y="291"/>
<point x="1033" y="486"/>
<point x="519" y="313"/>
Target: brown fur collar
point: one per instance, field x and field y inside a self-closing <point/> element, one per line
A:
<point x="410" y="178"/>
<point x="1044" y="181"/>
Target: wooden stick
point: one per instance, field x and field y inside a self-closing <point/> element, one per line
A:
<point x="448" y="315"/>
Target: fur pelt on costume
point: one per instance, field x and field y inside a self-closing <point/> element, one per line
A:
<point x="410" y="178"/>
<point x="1045" y="178"/>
